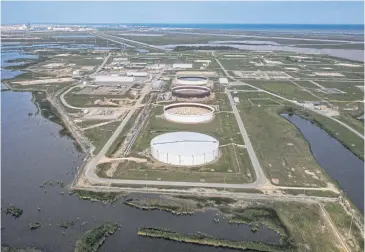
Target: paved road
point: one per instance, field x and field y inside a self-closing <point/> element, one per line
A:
<point x="118" y="40"/>
<point x="291" y="101"/>
<point x="260" y="176"/>
<point x="101" y="66"/>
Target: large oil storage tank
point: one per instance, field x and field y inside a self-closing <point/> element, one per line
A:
<point x="188" y="112"/>
<point x="190" y="91"/>
<point x="185" y="148"/>
<point x="191" y="81"/>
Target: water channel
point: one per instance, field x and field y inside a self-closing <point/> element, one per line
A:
<point x="340" y="163"/>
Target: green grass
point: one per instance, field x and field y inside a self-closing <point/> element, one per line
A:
<point x="100" y="135"/>
<point x="174" y="206"/>
<point x="226" y="169"/>
<point x="14" y="211"/>
<point x="285" y="89"/>
<point x="105" y="197"/>
<point x="352" y="122"/>
<point x="352" y="92"/>
<point x="202" y="239"/>
<point x="92" y="240"/>
<point x="119" y="140"/>
<point x="223" y="127"/>
<point x="307" y="226"/>
<point x="282" y="150"/>
<point x="342" y="221"/>
<point x="241" y="87"/>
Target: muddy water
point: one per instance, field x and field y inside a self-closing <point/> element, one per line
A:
<point x="340" y="163"/>
<point x="35" y="150"/>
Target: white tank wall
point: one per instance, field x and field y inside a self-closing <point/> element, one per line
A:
<point x="198" y="159"/>
<point x="191" y="83"/>
<point x="189" y="118"/>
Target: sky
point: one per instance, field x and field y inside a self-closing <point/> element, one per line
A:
<point x="255" y="12"/>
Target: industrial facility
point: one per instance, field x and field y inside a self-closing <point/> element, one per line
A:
<point x="189" y="113"/>
<point x="111" y="80"/>
<point x="185" y="148"/>
<point x="182" y="66"/>
<point x="191" y="91"/>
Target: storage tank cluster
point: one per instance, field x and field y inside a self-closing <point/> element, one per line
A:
<point x="187" y="148"/>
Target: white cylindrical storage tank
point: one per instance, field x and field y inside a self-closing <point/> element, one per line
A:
<point x="185" y="148"/>
<point x="192" y="80"/>
<point x="189" y="113"/>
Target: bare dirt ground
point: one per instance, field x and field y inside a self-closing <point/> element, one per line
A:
<point x="44" y="81"/>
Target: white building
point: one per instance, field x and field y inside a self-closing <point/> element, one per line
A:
<point x="202" y="61"/>
<point x="182" y="66"/>
<point x="236" y="99"/>
<point x="110" y="80"/>
<point x="223" y="81"/>
<point x="137" y="74"/>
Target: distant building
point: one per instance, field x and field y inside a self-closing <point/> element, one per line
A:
<point x="109" y="80"/>
<point x="223" y="81"/>
<point x="137" y="74"/>
<point x="236" y="99"/>
<point x="202" y="61"/>
<point x="156" y="85"/>
<point x="182" y="66"/>
<point x="142" y="51"/>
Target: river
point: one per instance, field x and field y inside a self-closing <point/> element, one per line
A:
<point x="340" y="163"/>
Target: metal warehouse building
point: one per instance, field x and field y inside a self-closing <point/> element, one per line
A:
<point x="110" y="80"/>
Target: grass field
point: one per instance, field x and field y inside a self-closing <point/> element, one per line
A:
<point x="307" y="226"/>
<point x="285" y="89"/>
<point x="234" y="166"/>
<point x="100" y="135"/>
<point x="352" y="122"/>
<point x="222" y="101"/>
<point x="241" y="87"/>
<point x="223" y="127"/>
<point x="283" y="152"/>
<point x="342" y="221"/>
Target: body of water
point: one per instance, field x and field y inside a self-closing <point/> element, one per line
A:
<point x="303" y="27"/>
<point x="35" y="149"/>
<point x="340" y="163"/>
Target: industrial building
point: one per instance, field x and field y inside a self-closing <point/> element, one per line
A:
<point x="157" y="85"/>
<point x="112" y="80"/>
<point x="137" y="74"/>
<point x="223" y="81"/>
<point x="190" y="91"/>
<point x="191" y="81"/>
<point x="185" y="148"/>
<point x="188" y="113"/>
<point x="182" y="66"/>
